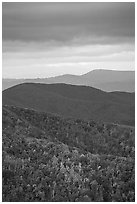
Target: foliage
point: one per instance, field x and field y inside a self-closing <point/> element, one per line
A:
<point x="48" y="158"/>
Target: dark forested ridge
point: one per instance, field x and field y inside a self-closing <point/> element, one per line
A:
<point x="74" y="101"/>
<point x="50" y="158"/>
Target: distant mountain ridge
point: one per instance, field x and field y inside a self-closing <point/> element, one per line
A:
<point x="106" y="80"/>
<point x="73" y="101"/>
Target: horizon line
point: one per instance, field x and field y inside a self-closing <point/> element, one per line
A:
<point x="70" y="74"/>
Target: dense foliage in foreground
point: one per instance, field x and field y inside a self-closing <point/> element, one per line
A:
<point x="48" y="158"/>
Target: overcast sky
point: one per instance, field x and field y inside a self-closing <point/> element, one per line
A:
<point x="49" y="39"/>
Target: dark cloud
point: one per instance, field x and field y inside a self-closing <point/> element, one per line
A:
<point x="65" y="22"/>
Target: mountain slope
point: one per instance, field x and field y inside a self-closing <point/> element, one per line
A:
<point x="106" y="80"/>
<point x="73" y="101"/>
<point x="47" y="158"/>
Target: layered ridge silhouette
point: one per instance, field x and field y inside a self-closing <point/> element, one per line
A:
<point x="106" y="80"/>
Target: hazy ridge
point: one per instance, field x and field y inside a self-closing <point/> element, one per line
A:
<point x="106" y="80"/>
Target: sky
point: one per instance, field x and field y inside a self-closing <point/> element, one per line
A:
<point x="48" y="39"/>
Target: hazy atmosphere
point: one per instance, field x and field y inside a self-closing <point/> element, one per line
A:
<point x="49" y="39"/>
<point x="68" y="102"/>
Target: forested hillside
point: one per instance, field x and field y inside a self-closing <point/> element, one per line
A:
<point x="50" y="158"/>
<point x="74" y="101"/>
